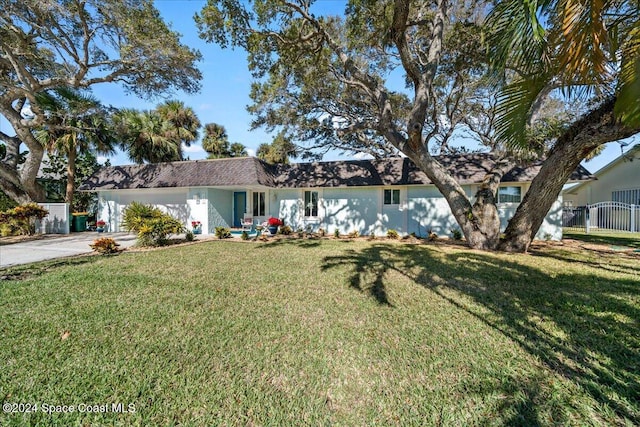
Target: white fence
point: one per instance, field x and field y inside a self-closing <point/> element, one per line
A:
<point x="614" y="216"/>
<point x="58" y="220"/>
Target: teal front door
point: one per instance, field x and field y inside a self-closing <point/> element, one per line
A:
<point x="239" y="207"/>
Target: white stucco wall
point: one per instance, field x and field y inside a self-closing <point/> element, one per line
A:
<point x="349" y="209"/>
<point x="428" y="211"/>
<point x="180" y="203"/>
<point x="422" y="209"/>
<point x="220" y="209"/>
<point x="623" y="175"/>
<point x="286" y="205"/>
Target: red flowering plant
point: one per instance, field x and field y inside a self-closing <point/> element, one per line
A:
<point x="195" y="224"/>
<point x="100" y="223"/>
<point x="275" y="222"/>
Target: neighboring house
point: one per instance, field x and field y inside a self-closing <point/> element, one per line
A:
<point x="368" y="196"/>
<point x="618" y="181"/>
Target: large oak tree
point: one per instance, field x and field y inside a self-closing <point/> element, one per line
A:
<point x="47" y="44"/>
<point x="328" y="80"/>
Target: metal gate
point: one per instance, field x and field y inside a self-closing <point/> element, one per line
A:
<point x="614" y="216"/>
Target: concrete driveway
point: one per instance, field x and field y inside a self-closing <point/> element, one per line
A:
<point x="56" y="246"/>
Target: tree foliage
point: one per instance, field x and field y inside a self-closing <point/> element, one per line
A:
<point x="48" y="44"/>
<point x="54" y="179"/>
<point x="329" y="82"/>
<point x="589" y="50"/>
<point x="158" y="135"/>
<point x="150" y="223"/>
<point x="279" y="151"/>
<point x="76" y="124"/>
<point x="216" y="143"/>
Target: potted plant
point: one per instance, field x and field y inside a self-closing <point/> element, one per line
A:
<point x="100" y="225"/>
<point x="273" y="224"/>
<point x="196" y="226"/>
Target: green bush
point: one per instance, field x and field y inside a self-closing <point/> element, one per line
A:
<point x="135" y="215"/>
<point x="392" y="234"/>
<point x="456" y="234"/>
<point x="152" y="225"/>
<point x="223" y="232"/>
<point x="354" y="234"/>
<point x="189" y="236"/>
<point x="336" y="233"/>
<point x="6" y="202"/>
<point x="21" y="220"/>
<point x="244" y="235"/>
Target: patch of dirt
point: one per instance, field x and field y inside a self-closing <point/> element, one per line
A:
<point x="579" y="245"/>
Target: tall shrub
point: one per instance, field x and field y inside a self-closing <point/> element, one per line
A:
<point x="152" y="225"/>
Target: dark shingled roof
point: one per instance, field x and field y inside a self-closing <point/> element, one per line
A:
<point x="197" y="173"/>
<point x="250" y="171"/>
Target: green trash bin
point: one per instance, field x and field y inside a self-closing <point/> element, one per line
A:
<point x="80" y="223"/>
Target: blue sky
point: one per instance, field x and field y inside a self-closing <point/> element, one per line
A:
<point x="226" y="85"/>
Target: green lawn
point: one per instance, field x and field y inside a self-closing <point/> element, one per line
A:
<point x="325" y="332"/>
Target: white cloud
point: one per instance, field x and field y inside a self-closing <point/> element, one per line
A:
<point x="362" y="156"/>
<point x="101" y="159"/>
<point x="193" y="148"/>
<point x="205" y="107"/>
<point x="251" y="152"/>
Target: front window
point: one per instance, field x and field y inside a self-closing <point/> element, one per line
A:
<point x="509" y="195"/>
<point x="310" y="203"/>
<point x="391" y="197"/>
<point x="258" y="203"/>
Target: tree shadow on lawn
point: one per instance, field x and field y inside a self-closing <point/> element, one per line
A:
<point x="593" y="338"/>
<point x="24" y="271"/>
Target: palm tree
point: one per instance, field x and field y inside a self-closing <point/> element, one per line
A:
<point x="279" y="151"/>
<point x="146" y="137"/>
<point x="184" y="124"/>
<point x="157" y="136"/>
<point x="216" y="141"/>
<point x="583" y="48"/>
<point x="237" y="150"/>
<point x="76" y="122"/>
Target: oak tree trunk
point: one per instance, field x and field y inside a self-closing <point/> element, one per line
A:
<point x="479" y="222"/>
<point x="20" y="185"/>
<point x="596" y="128"/>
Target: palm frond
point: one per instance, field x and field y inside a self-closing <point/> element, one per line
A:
<point x="515" y="35"/>
<point x="627" y="106"/>
<point x="514" y="108"/>
<point x="583" y="41"/>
